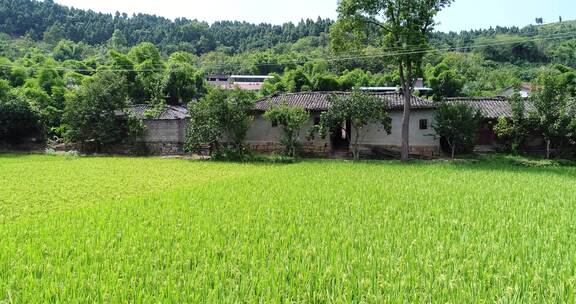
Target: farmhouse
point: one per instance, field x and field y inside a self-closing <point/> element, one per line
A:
<point x="265" y="136"/>
<point x="166" y="132"/>
<point x="491" y="109"/>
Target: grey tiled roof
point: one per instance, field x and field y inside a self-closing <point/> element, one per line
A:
<point x="169" y="113"/>
<point x="490" y="107"/>
<point x="319" y="101"/>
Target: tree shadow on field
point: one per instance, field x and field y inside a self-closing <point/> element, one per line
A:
<point x="513" y="164"/>
<point x="15" y="154"/>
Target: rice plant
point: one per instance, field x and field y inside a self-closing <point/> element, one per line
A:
<point x="147" y="230"/>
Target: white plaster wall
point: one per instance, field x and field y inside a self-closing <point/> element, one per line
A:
<point x="376" y="135"/>
<point x="262" y="132"/>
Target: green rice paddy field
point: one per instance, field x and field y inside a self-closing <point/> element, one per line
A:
<point x="151" y="230"/>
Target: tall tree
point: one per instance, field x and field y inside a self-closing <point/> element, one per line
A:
<point x="513" y="131"/>
<point x="553" y="108"/>
<point x="404" y="26"/>
<point x="54" y="34"/>
<point x="444" y="81"/>
<point x="118" y="40"/>
<point x="182" y="83"/>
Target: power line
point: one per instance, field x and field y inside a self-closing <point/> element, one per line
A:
<point x="410" y="50"/>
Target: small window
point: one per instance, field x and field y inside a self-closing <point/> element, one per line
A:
<point x="316" y="121"/>
<point x="274" y="124"/>
<point x="423" y="124"/>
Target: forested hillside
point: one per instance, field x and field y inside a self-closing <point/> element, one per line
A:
<point x="240" y="47"/>
<point x="51" y="22"/>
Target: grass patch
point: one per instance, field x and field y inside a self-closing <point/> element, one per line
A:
<point x="166" y="230"/>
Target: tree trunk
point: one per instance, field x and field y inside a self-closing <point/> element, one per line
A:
<point x="356" y="140"/>
<point x="547" y="149"/>
<point x="406" y="128"/>
<point x="453" y="151"/>
<point x="406" y="81"/>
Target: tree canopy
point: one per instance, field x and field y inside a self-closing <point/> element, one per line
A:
<point x="457" y="124"/>
<point x="402" y="28"/>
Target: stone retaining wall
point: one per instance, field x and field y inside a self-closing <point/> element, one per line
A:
<point x="366" y="151"/>
<point x="308" y="149"/>
<point x="165" y="148"/>
<point x="374" y="151"/>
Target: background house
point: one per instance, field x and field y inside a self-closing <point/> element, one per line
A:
<point x="419" y="88"/>
<point x="524" y="89"/>
<point x="243" y="82"/>
<point x="265" y="136"/>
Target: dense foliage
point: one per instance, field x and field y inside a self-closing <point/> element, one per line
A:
<point x="555" y="109"/>
<point x="220" y="121"/>
<point x="458" y="125"/>
<point x="17" y="119"/>
<point x="512" y="132"/>
<point x="51" y="22"/>
<point x="95" y="115"/>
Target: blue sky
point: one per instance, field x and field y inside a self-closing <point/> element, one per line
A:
<point x="463" y="14"/>
<point x="475" y="14"/>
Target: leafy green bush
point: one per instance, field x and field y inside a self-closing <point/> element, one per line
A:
<point x="291" y="120"/>
<point x="227" y="153"/>
<point x="512" y="132"/>
<point x="17" y="119"/>
<point x="458" y="125"/>
<point x="219" y="122"/>
<point x="93" y="115"/>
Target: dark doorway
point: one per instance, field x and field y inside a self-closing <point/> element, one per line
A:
<point x="340" y="137"/>
<point x="486" y="136"/>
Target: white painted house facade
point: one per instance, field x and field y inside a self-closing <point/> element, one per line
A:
<point x="264" y="136"/>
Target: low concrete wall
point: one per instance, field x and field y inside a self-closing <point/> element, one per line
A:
<point x="165" y="148"/>
<point x="167" y="137"/>
<point x="25" y="147"/>
<point x="163" y="137"/>
<point x="165" y="131"/>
